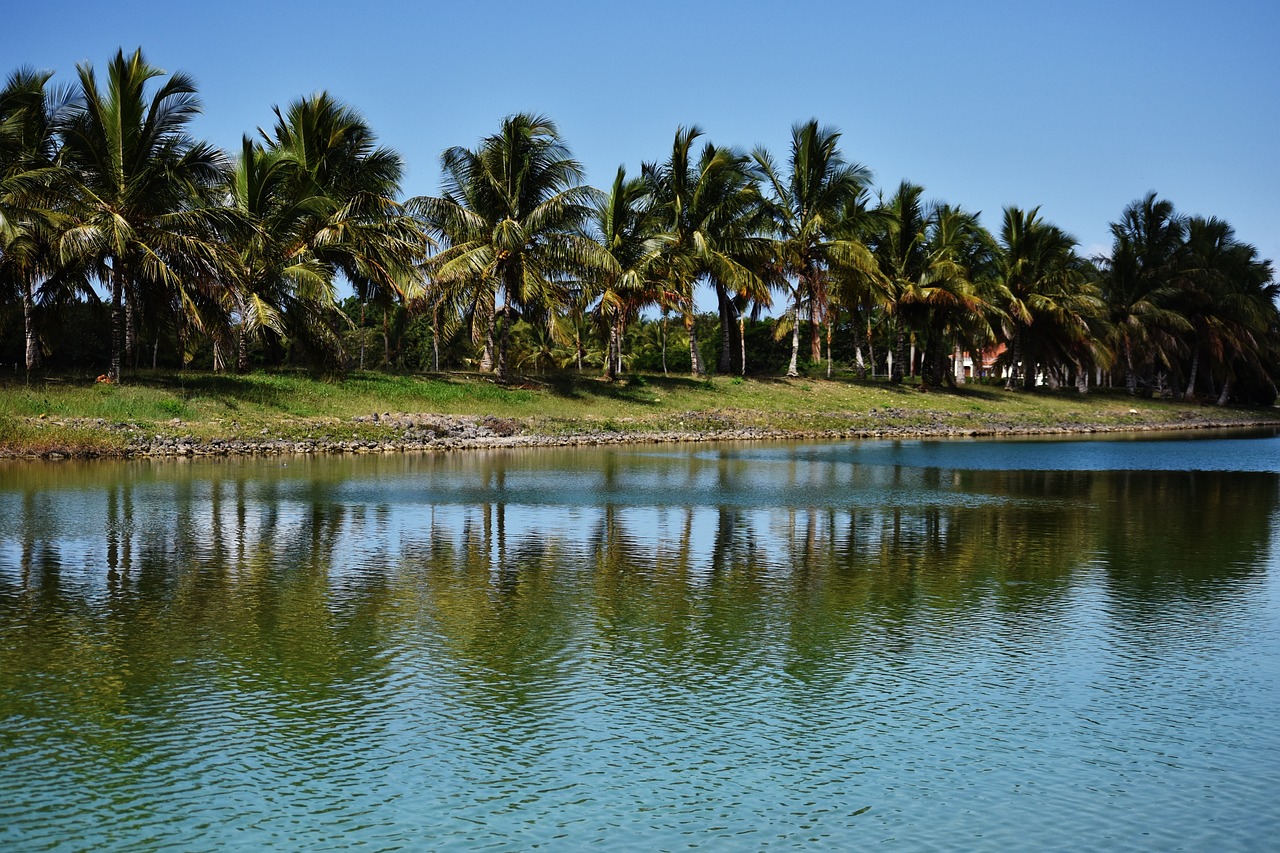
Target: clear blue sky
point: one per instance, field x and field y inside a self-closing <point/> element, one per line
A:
<point x="1077" y="107"/>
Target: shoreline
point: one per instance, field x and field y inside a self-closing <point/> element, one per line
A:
<point x="435" y="433"/>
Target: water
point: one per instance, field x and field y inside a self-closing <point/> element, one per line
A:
<point x="926" y="644"/>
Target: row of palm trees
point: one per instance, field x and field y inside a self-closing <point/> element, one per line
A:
<point x="107" y="187"/>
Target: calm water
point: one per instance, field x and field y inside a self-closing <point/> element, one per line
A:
<point x="951" y="645"/>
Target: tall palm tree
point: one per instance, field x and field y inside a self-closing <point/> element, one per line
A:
<point x="1227" y="295"/>
<point x="278" y="280"/>
<point x="627" y="227"/>
<point x="1139" y="285"/>
<point x="30" y="184"/>
<point x="367" y="234"/>
<point x="318" y="195"/>
<point x="710" y="213"/>
<point x="511" y="221"/>
<point x="931" y="257"/>
<point x="1049" y="302"/>
<point x="812" y="209"/>
<point x="958" y="292"/>
<point x="900" y="247"/>
<point x="145" y="190"/>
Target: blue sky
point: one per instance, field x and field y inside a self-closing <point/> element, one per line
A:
<point x="1079" y="108"/>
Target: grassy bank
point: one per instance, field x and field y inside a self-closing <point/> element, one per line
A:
<point x="73" y="416"/>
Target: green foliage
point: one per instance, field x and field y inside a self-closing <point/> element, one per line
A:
<point x="210" y="264"/>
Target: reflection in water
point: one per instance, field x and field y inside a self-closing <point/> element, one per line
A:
<point x="756" y="645"/>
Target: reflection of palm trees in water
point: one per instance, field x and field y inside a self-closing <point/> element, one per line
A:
<point x="273" y="574"/>
<point x="119" y="531"/>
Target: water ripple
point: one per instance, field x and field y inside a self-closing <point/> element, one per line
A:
<point x="925" y="659"/>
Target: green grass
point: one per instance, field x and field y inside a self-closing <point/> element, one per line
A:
<point x="83" y="416"/>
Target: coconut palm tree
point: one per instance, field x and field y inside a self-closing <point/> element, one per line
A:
<point x="932" y="258"/>
<point x="899" y="244"/>
<point x="511" y="222"/>
<point x="145" y="192"/>
<point x="1050" y="305"/>
<point x="627" y="227"/>
<point x="278" y="280"/>
<point x="318" y="196"/>
<point x="813" y="209"/>
<point x="958" y="294"/>
<point x="30" y="184"/>
<point x="365" y="234"/>
<point x="711" y="217"/>
<point x="1227" y="295"/>
<point x="1139" y="284"/>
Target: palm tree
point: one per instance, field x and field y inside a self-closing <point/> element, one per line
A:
<point x="319" y="197"/>
<point x="145" y="191"/>
<point x="1138" y="286"/>
<point x="1227" y="295"/>
<point x="958" y="290"/>
<point x="709" y="213"/>
<point x="1049" y="302"/>
<point x="932" y="258"/>
<point x="30" y="180"/>
<point x="278" y="280"/>
<point x="365" y="234"/>
<point x="813" y="210"/>
<point x="627" y="228"/>
<point x="900" y="247"/>
<point x="511" y="221"/>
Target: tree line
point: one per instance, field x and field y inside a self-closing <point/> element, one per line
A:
<point x="119" y="229"/>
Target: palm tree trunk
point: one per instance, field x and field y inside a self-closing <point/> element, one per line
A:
<point x="117" y="324"/>
<point x="871" y="348"/>
<point x="435" y="338"/>
<point x="830" y="358"/>
<point x="664" y="342"/>
<point x="131" y="329"/>
<point x="612" y="358"/>
<point x="899" y="357"/>
<point x="1130" y="376"/>
<point x="742" y="343"/>
<point x="1053" y="377"/>
<point x="622" y="333"/>
<point x="1015" y="360"/>
<point x="793" y="368"/>
<point x="937" y="360"/>
<point x="29" y="327"/>
<point x="726" y="331"/>
<point x="1226" y="392"/>
<point x="504" y="335"/>
<point x="242" y="347"/>
<point x="386" y="341"/>
<point x="362" y="341"/>
<point x="695" y="357"/>
<point x="486" y="358"/>
<point x="815" y="326"/>
<point x="1195" y="364"/>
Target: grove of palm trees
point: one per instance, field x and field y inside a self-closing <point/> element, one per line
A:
<point x="126" y="245"/>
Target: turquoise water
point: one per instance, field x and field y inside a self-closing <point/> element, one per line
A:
<point x="921" y="644"/>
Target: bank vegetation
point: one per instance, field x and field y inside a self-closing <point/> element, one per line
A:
<point x="135" y="254"/>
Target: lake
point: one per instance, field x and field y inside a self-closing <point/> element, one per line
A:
<point x="964" y="644"/>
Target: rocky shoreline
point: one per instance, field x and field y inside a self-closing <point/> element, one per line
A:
<point x="428" y="433"/>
